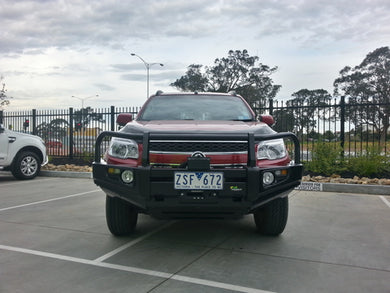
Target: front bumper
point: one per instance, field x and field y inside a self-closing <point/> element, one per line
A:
<point x="153" y="192"/>
<point x="45" y="161"/>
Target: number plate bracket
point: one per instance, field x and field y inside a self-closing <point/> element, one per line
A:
<point x="198" y="164"/>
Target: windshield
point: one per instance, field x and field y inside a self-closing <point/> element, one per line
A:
<point x="196" y="107"/>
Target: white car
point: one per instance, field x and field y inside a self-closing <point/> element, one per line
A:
<point x="22" y="154"/>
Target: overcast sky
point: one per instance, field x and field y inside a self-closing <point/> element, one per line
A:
<point x="53" y="50"/>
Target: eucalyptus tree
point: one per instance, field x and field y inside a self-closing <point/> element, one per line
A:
<point x="367" y="87"/>
<point x="237" y="72"/>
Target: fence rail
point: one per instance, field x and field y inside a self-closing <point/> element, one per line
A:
<point x="354" y="128"/>
<point x="71" y="133"/>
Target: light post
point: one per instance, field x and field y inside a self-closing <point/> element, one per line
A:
<point x="147" y="65"/>
<point x="83" y="99"/>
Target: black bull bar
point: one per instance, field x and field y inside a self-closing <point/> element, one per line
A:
<point x="252" y="139"/>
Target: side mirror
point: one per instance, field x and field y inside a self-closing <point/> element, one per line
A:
<point x="267" y="119"/>
<point x="124" y="118"/>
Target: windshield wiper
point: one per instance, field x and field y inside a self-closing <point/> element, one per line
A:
<point x="243" y="120"/>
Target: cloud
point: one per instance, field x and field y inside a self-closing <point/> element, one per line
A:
<point x="133" y="77"/>
<point x="314" y="22"/>
<point x="41" y="24"/>
<point x="127" y="67"/>
<point x="157" y="76"/>
<point x="104" y="87"/>
<point x="57" y="48"/>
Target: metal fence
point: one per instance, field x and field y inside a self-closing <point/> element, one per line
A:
<point x="353" y="128"/>
<point x="69" y="133"/>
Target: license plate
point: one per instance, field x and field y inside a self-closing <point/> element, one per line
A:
<point x="199" y="180"/>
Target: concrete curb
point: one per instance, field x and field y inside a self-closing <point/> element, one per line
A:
<point x="345" y="188"/>
<point x="357" y="188"/>
<point x="66" y="174"/>
<point x="308" y="186"/>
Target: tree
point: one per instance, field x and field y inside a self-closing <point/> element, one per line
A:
<point x="56" y="129"/>
<point x="314" y="135"/>
<point x="284" y="120"/>
<point x="4" y="99"/>
<point x="305" y="105"/>
<point x="329" y="136"/>
<point x="237" y="72"/>
<point x="368" y="85"/>
<point x="85" y="115"/>
<point x="193" y="80"/>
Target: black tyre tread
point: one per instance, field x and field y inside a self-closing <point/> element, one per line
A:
<point x="121" y="217"/>
<point x="17" y="173"/>
<point x="272" y="218"/>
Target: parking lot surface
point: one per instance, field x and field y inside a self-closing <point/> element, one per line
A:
<point x="53" y="238"/>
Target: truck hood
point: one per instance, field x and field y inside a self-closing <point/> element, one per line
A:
<point x="198" y="126"/>
<point x="16" y="134"/>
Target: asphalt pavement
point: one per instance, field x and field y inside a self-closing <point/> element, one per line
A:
<point x="54" y="239"/>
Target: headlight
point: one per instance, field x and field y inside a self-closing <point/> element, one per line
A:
<point x="271" y="149"/>
<point x="123" y="148"/>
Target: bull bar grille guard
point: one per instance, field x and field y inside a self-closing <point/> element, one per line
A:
<point x="145" y="138"/>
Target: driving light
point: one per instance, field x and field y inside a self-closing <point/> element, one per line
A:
<point x="268" y="178"/>
<point x="127" y="176"/>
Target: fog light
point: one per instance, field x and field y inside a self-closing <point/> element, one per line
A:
<point x="268" y="178"/>
<point x="127" y="176"/>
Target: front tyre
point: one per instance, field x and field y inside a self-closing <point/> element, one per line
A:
<point x="26" y="165"/>
<point x="121" y="217"/>
<point x="271" y="219"/>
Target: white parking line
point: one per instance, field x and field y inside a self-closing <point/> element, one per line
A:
<point x="135" y="270"/>
<point x="18" y="182"/>
<point x="48" y="200"/>
<point x="385" y="200"/>
<point x="214" y="284"/>
<point x="131" y="243"/>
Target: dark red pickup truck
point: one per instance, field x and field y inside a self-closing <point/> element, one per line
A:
<point x="196" y="155"/>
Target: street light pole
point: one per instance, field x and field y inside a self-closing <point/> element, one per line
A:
<point x="83" y="99"/>
<point x="148" y="66"/>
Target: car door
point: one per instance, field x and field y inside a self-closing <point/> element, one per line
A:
<point x="3" y="145"/>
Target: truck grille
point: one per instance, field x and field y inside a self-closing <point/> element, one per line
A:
<point x="189" y="146"/>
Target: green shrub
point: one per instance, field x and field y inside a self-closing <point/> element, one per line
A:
<point x="369" y="163"/>
<point x="326" y="159"/>
<point x="87" y="157"/>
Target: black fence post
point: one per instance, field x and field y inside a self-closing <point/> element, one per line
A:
<point x="71" y="133"/>
<point x="271" y="106"/>
<point x="34" y="121"/>
<point x="1" y="116"/>
<point x="112" y="118"/>
<point x="342" y="122"/>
